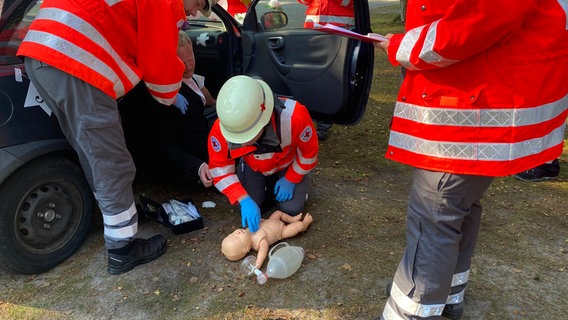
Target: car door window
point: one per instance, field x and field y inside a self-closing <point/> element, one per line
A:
<point x="329" y="74"/>
<point x="14" y="31"/>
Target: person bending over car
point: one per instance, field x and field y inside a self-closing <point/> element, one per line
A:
<point x="82" y="55"/>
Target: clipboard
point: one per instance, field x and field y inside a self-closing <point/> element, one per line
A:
<point x="332" y="29"/>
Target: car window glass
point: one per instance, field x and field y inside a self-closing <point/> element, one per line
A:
<point x="15" y="30"/>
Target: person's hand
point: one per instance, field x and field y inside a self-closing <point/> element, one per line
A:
<point x="284" y="189"/>
<point x="205" y="175"/>
<point x="250" y="214"/>
<point x="181" y="103"/>
<point x="383" y="45"/>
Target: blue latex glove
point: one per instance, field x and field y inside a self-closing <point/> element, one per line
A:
<point x="250" y="214"/>
<point x="284" y="190"/>
<point x="181" y="103"/>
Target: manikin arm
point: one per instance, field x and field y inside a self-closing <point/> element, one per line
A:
<point x="296" y="227"/>
<point x="262" y="252"/>
<point x="282" y="216"/>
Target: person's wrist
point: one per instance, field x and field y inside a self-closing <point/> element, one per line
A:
<point x="200" y="168"/>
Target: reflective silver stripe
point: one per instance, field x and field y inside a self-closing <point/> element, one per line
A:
<point x="226" y="182"/>
<point x="345" y="3"/>
<point x="330" y="19"/>
<point x="221" y="171"/>
<point x="264" y="156"/>
<point x="112" y="2"/>
<point x="477" y="151"/>
<point x="564" y="5"/>
<point x="163" y="88"/>
<point x="90" y="32"/>
<point x="286" y="123"/>
<point x="481" y="117"/>
<point x="299" y="169"/>
<point x="414" y="308"/>
<point x="117" y="219"/>
<point x="428" y="54"/>
<point x="281" y="167"/>
<point x="121" y="232"/>
<point x="389" y="313"/>
<point x="460" y="278"/>
<point x="78" y="54"/>
<point x="456" y="298"/>
<point x="405" y="49"/>
<point x="304" y="160"/>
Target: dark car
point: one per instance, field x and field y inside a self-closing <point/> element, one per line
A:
<point x="45" y="202"/>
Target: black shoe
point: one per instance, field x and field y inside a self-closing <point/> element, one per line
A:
<point x="322" y="135"/>
<point x="545" y="171"/>
<point x="141" y="251"/>
<point x="451" y="311"/>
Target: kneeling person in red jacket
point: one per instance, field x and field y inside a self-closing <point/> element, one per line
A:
<point x="272" y="136"/>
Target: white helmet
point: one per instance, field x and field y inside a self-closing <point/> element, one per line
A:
<point x="244" y="107"/>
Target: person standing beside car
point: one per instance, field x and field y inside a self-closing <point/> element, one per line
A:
<point x="272" y="137"/>
<point x="338" y="13"/>
<point x="484" y="96"/>
<point x="82" y="55"/>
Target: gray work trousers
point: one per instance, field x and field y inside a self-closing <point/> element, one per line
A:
<point x="256" y="184"/>
<point x="90" y="121"/>
<point x="443" y="220"/>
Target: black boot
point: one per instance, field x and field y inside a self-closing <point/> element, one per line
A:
<point x="137" y="252"/>
<point x="453" y="311"/>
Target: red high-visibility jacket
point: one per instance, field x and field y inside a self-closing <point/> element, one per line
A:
<point x="111" y="45"/>
<point x="485" y="91"/>
<point x="298" y="157"/>
<point x="236" y="6"/>
<point x="335" y="12"/>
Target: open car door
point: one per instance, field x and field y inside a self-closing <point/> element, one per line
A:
<point x="331" y="75"/>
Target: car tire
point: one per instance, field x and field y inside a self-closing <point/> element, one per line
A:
<point x="45" y="213"/>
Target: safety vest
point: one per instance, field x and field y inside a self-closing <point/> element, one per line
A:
<point x="236" y="6"/>
<point x="111" y="44"/>
<point x="298" y="150"/>
<point x="485" y="92"/>
<point x="335" y="12"/>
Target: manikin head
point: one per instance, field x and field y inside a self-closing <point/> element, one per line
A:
<point x="237" y="244"/>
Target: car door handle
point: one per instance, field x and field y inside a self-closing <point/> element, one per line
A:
<point x="276" y="43"/>
<point x="275" y="46"/>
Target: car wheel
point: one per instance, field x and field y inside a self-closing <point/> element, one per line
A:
<point x="45" y="213"/>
